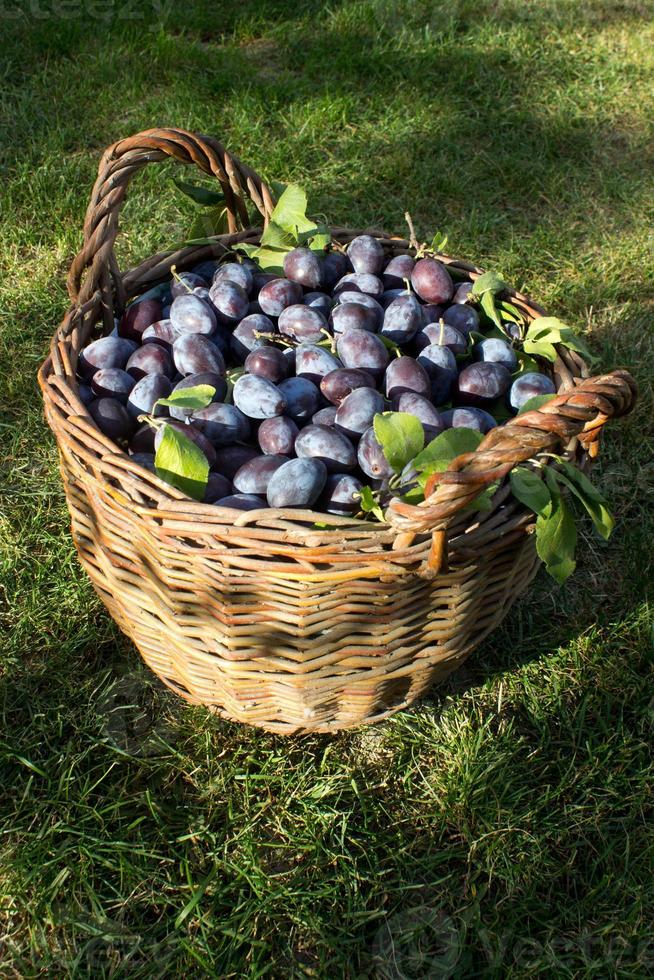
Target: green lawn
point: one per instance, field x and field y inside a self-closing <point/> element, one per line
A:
<point x="503" y="828"/>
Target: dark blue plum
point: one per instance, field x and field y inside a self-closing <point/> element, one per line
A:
<point x="462" y="292"/>
<point x="85" y="392"/>
<point x="422" y="408"/>
<point x="277" y="436"/>
<point x="230" y="301"/>
<point x="464" y="318"/>
<point x="527" y="386"/>
<point x="406" y="374"/>
<point x="223" y="425"/>
<point x="259" y="398"/>
<point x="276" y="295"/>
<point x="355" y="413"/>
<point x="241" y="501"/>
<point x="468" y="417"/>
<point x="150" y="359"/>
<point x="112" y="383"/>
<point x="389" y="295"/>
<point x="302" y="323"/>
<point x="111" y="418"/>
<point x="190" y="314"/>
<point x="327" y="444"/>
<point x="496" y="351"/>
<point x="236" y="272"/>
<point x="341" y="494"/>
<point x="301" y="396"/>
<point x="267" y="362"/>
<point x="443" y="335"/>
<point x="366" y="255"/>
<point x="483" y="383"/>
<point x="218" y="486"/>
<point x="146" y="393"/>
<point x="185" y="284"/>
<point x="335" y="265"/>
<point x="402" y="319"/>
<point x="338" y="384"/>
<point x="297" y="483"/>
<point x="371" y="457"/>
<point x="440" y="364"/>
<point x="319" y="301"/>
<point x="162" y="333"/>
<point x="255" y="475"/>
<point x="363" y="282"/>
<point x="229" y="459"/>
<point x="325" y="416"/>
<point x="137" y="317"/>
<point x="353" y="316"/>
<point x="398" y="269"/>
<point x="206" y="270"/>
<point x="107" y="352"/>
<point x="194" y="353"/>
<point x="363" y="299"/>
<point x="244" y="337"/>
<point x="432" y="281"/>
<point x="314" y="363"/>
<point x="359" y="349"/>
<point x="303" y="266"/>
<point x="432" y="313"/>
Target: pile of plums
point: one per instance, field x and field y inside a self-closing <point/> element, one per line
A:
<point x="296" y="427"/>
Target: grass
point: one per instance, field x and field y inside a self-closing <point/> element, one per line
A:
<point x="503" y="828"/>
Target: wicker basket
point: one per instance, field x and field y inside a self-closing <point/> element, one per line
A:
<point x="265" y="618"/>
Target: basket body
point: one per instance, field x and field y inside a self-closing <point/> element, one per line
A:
<point x="289" y="650"/>
<point x="270" y="618"/>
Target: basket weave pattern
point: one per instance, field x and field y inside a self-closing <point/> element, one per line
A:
<point x="268" y="619"/>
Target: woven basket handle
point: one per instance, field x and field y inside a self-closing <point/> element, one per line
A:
<point x="581" y="412"/>
<point x="117" y="166"/>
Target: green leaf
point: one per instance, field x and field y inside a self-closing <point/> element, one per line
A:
<point x="181" y="463"/>
<point x="510" y="312"/>
<point x="499" y="411"/>
<point x="526" y="363"/>
<point x="199" y="396"/>
<point x="276" y="237"/>
<point x="528" y="487"/>
<point x="201" y="195"/>
<point x="438" y="242"/>
<point x="484" y="501"/>
<point x="487" y="282"/>
<point x="550" y="329"/>
<point x="318" y="242"/>
<point x="415" y="495"/>
<point x="487" y="303"/>
<point x="556" y="537"/>
<point x="535" y="402"/>
<point x="540" y="347"/>
<point x="369" y="504"/>
<point x="270" y="260"/>
<point x="291" y="211"/>
<point x="401" y="437"/>
<point x="447" y="445"/>
<point x="589" y="496"/>
<point x="208" y="223"/>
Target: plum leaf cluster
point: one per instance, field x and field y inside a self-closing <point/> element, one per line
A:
<point x="556" y="533"/>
